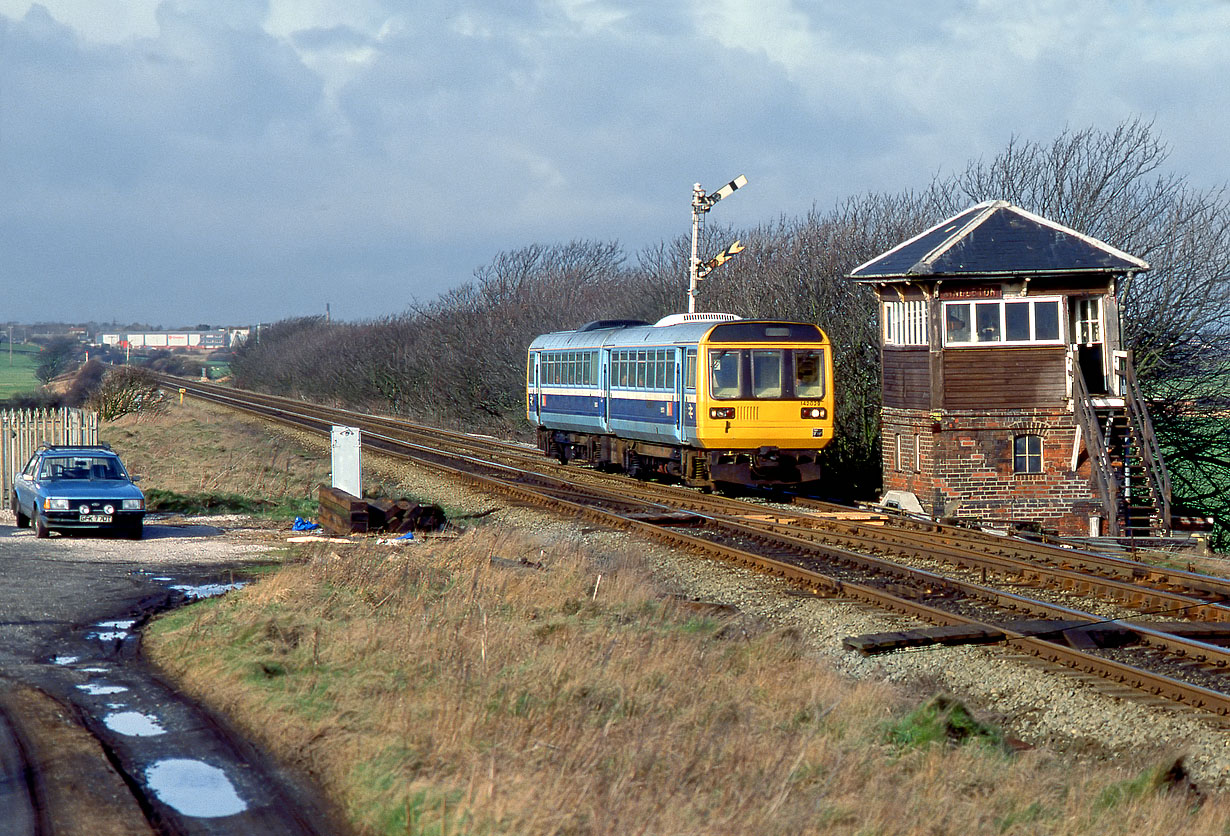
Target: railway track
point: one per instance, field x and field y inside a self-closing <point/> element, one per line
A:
<point x="941" y="575"/>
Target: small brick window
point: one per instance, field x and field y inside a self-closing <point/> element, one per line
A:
<point x="1027" y="454"/>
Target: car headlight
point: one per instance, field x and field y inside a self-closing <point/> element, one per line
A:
<point x="108" y="509"/>
<point x="50" y="504"/>
<point x="133" y="504"/>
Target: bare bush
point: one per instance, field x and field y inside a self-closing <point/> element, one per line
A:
<point x="125" y="390"/>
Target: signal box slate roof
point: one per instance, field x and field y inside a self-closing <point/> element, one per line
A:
<point x="996" y="239"/>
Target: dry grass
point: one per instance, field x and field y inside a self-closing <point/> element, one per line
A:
<point x="196" y="448"/>
<point x="431" y="691"/>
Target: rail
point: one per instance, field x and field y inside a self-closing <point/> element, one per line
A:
<point x="1155" y="465"/>
<point x="1095" y="442"/>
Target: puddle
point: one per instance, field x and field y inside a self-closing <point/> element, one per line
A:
<point x="94" y="670"/>
<point x="65" y="660"/>
<point x="207" y="590"/>
<point x="101" y="690"/>
<point x="194" y="788"/>
<point x="117" y="636"/>
<point x="133" y="724"/>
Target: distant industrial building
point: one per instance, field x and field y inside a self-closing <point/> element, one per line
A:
<point x="213" y="340"/>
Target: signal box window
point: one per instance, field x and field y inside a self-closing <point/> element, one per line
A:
<point x="1002" y="322"/>
<point x="1027" y="454"/>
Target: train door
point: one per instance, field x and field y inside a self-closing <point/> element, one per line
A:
<point x="688" y="413"/>
<point x="1087" y="333"/>
<point x="676" y="355"/>
<point x="535" y="388"/>
<point x="605" y="378"/>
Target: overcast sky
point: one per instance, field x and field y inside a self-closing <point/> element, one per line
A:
<point x="235" y="161"/>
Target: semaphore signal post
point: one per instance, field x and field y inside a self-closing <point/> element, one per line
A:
<point x="701" y="204"/>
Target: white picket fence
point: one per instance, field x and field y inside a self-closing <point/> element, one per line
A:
<point x="23" y="430"/>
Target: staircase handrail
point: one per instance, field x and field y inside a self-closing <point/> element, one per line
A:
<point x="1099" y="456"/>
<point x="1155" y="465"/>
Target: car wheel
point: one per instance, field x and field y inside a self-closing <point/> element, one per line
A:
<point x="40" y="526"/>
<point x="22" y="520"/>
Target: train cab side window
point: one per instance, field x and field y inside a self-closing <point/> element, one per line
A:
<point x="809" y="372"/>
<point x="670" y="370"/>
<point x="726" y="373"/>
<point x="766" y="373"/>
<point x="689" y="371"/>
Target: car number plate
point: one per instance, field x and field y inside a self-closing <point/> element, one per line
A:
<point x="95" y="518"/>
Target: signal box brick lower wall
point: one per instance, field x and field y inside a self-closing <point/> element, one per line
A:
<point x="961" y="465"/>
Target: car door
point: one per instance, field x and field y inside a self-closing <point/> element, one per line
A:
<point x="24" y="488"/>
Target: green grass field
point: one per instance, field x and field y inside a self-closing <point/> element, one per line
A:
<point x="18" y="377"/>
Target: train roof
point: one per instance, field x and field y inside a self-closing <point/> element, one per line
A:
<point x="678" y="329"/>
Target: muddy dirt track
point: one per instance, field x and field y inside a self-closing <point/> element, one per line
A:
<point x="91" y="741"/>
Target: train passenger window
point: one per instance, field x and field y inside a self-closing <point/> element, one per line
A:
<point x="958" y="328"/>
<point x="726" y="373"/>
<point x="670" y="370"/>
<point x="987" y="316"/>
<point x="689" y="371"/>
<point x="640" y="369"/>
<point x="809" y="372"/>
<point x="651" y="370"/>
<point x="766" y="373"/>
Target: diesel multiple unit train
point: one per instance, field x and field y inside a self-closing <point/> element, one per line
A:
<point x="709" y="399"/>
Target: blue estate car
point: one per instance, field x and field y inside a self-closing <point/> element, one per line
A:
<point x="73" y="487"/>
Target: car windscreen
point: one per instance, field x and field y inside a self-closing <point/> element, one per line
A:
<point x="81" y="467"/>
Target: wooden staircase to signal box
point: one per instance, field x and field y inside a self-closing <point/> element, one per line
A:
<point x="1129" y="473"/>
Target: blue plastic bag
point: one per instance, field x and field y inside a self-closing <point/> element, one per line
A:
<point x="304" y="525"/>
